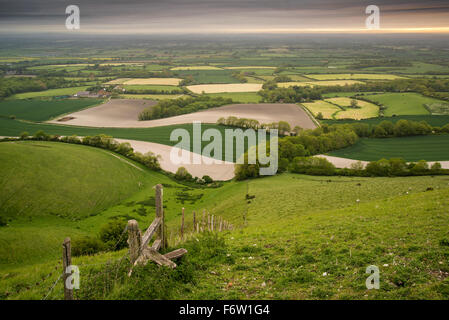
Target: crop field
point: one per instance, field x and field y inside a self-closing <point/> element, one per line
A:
<point x="195" y="68"/>
<point x="157" y="81"/>
<point x="318" y="83"/>
<point x="208" y="76"/>
<point x="409" y="148"/>
<point x="249" y="67"/>
<point x="403" y="103"/>
<point x="49" y="93"/>
<point x="363" y="111"/>
<point x="326" y="109"/>
<point x="239" y="97"/>
<point x="221" y="88"/>
<point x="356" y="76"/>
<point x="41" y="110"/>
<point x="151" y="96"/>
<point x="437" y="121"/>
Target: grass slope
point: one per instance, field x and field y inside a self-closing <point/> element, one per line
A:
<point x="49" y="93"/>
<point x="318" y="250"/>
<point x="409" y="148"/>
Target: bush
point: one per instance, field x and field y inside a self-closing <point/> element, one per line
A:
<point x="183" y="175"/>
<point x="87" y="246"/>
<point x="207" y="179"/>
<point x="3" y="222"/>
<point x="113" y="234"/>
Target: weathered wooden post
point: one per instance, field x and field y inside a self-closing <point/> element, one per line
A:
<point x="221" y="224"/>
<point x="203" y="222"/>
<point x="66" y="261"/>
<point x="212" y="223"/>
<point x="208" y="221"/>
<point x="182" y="225"/>
<point x="194" y="221"/>
<point x="160" y="213"/>
<point x="134" y="241"/>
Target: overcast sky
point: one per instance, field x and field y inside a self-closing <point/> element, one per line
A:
<point x="222" y="16"/>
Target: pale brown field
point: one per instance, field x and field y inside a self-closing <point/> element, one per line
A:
<point x="229" y="87"/>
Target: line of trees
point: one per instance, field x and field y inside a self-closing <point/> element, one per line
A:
<point x="174" y="107"/>
<point x="245" y="123"/>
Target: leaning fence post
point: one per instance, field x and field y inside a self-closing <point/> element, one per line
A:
<point x="66" y="261"/>
<point x="160" y="213"/>
<point x="134" y="240"/>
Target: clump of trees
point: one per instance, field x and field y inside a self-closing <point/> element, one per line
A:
<point x="245" y="123"/>
<point x="170" y="108"/>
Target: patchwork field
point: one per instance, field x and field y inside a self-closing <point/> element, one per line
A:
<point x="352" y="76"/>
<point x="231" y="87"/>
<point x="124" y="113"/>
<point x="239" y="97"/>
<point x="427" y="148"/>
<point x="323" y="107"/>
<point x="340" y="108"/>
<point x="365" y="109"/>
<point x="49" y="93"/>
<point x="41" y="110"/>
<point x="403" y="103"/>
<point x="318" y="83"/>
<point x="147" y="81"/>
<point x="196" y="68"/>
<point x="151" y="96"/>
<point x="159" y="88"/>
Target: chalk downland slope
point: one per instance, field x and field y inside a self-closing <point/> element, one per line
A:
<point x="122" y="113"/>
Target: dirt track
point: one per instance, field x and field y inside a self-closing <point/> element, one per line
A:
<point x="124" y="112"/>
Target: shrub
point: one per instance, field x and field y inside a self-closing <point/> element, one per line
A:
<point x="182" y="174"/>
<point x="207" y="179"/>
<point x="113" y="234"/>
<point x="87" y="246"/>
<point x="3" y="222"/>
<point x="24" y="135"/>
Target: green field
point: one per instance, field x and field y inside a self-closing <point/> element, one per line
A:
<point x="427" y="148"/>
<point x="41" y="110"/>
<point x="49" y="93"/>
<point x="209" y="76"/>
<point x="283" y="259"/>
<point x="436" y="121"/>
<point x="352" y="76"/>
<point x="402" y="103"/>
<point x="239" y="97"/>
<point x="9" y="127"/>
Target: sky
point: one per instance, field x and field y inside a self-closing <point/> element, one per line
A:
<point x="223" y="16"/>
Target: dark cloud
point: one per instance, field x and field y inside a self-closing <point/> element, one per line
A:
<point x="213" y="15"/>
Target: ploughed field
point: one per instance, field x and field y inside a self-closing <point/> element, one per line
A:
<point x="124" y="113"/>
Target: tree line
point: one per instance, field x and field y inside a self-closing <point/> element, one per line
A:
<point x="174" y="107"/>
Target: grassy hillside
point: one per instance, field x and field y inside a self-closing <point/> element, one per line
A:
<point x="41" y="110"/>
<point x="57" y="179"/>
<point x="409" y="148"/>
<point x="316" y="250"/>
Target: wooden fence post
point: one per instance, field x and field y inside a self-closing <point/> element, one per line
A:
<point x="134" y="241"/>
<point x="194" y="221"/>
<point x="212" y="223"/>
<point x="182" y="225"/>
<point x="66" y="261"/>
<point x="160" y="213"/>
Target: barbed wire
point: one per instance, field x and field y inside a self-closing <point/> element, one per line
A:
<point x="54" y="284"/>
